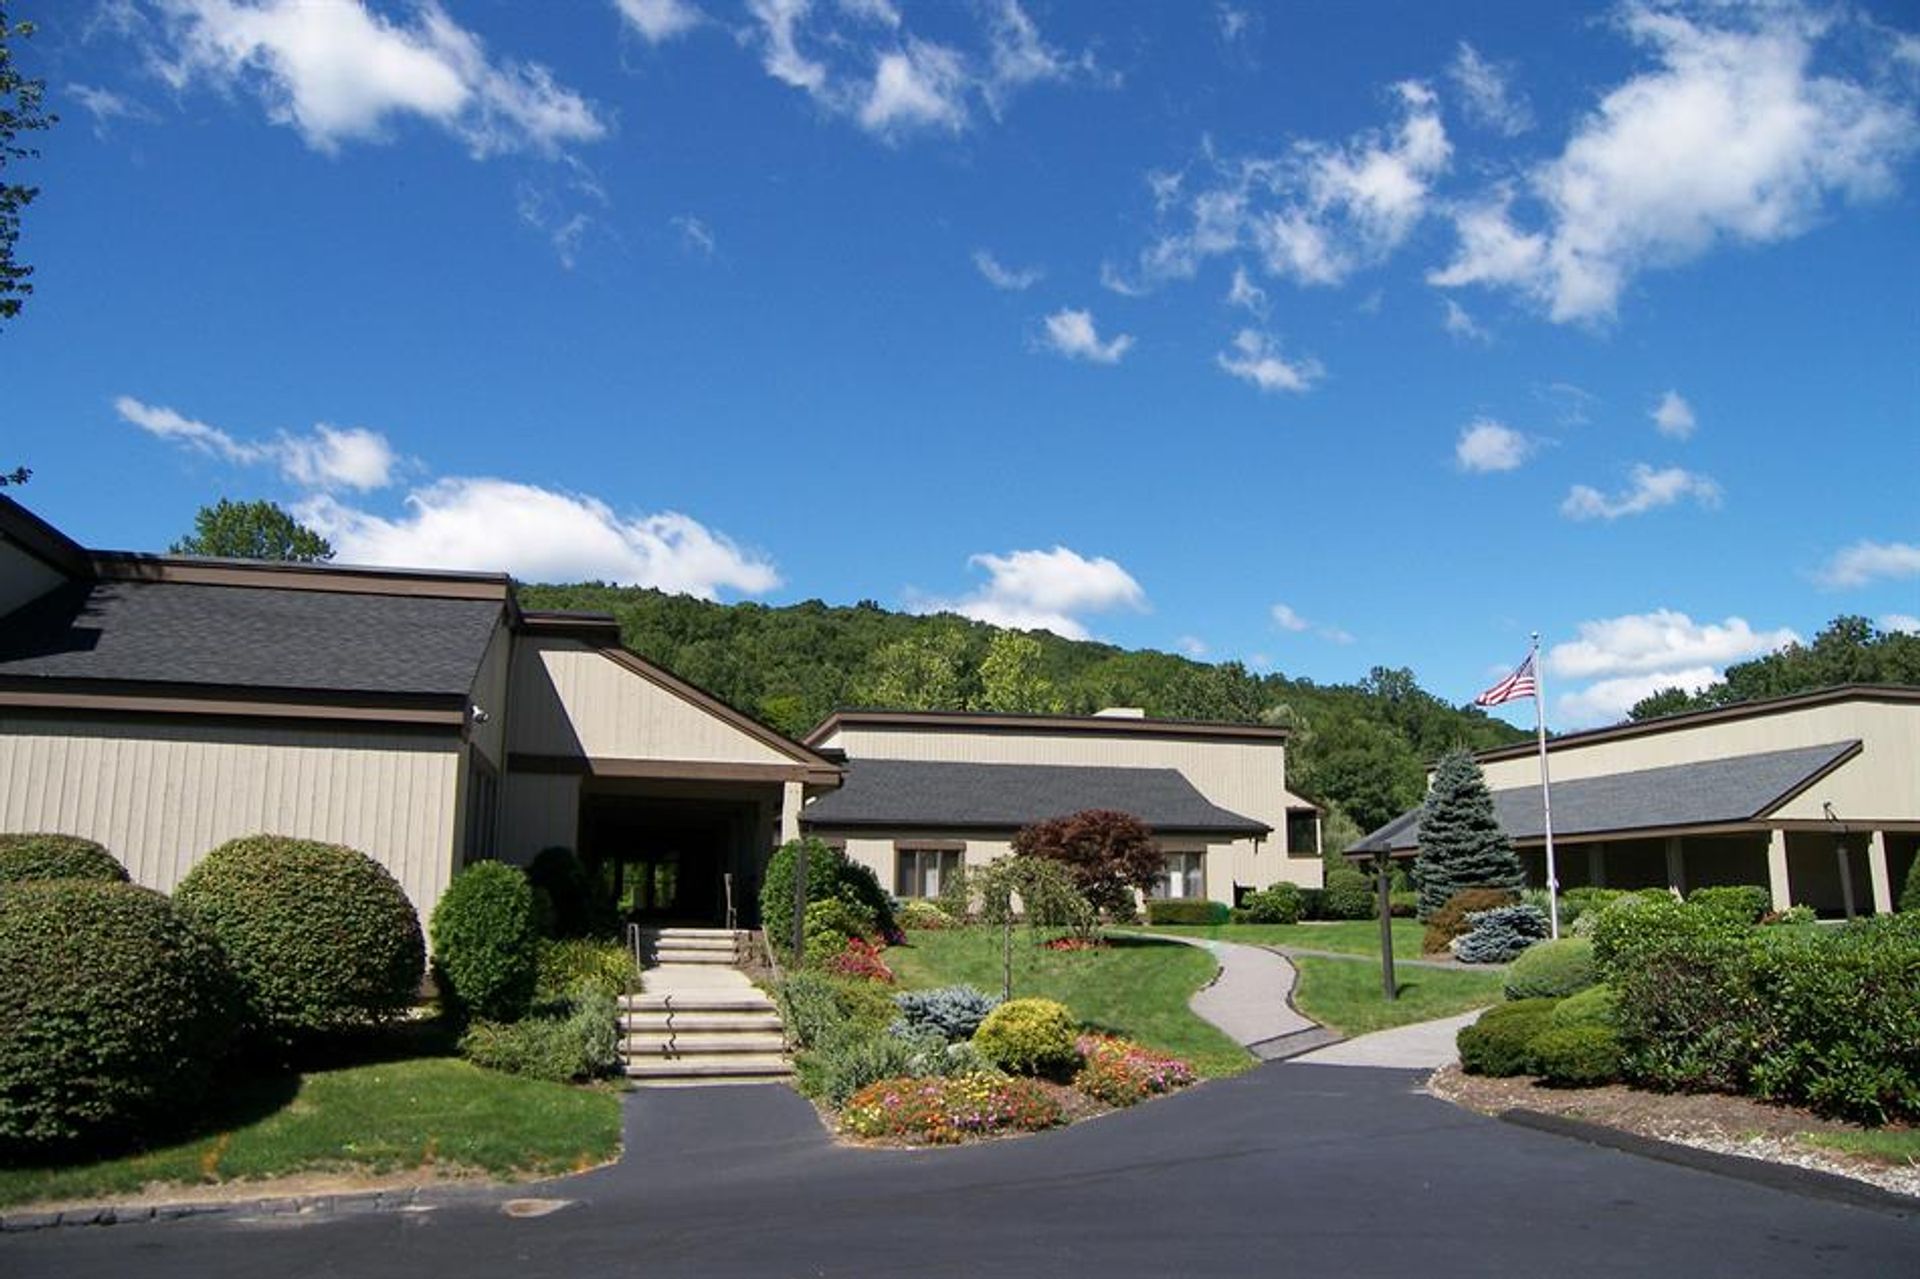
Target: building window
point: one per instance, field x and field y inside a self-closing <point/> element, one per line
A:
<point x="1186" y="876"/>
<point x="919" y="872"/>
<point x="1303" y="832"/>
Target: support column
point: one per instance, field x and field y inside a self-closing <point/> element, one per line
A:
<point x="1597" y="865"/>
<point x="1777" y="870"/>
<point x="793" y="797"/>
<point x="1877" y="869"/>
<point x="1676" y="866"/>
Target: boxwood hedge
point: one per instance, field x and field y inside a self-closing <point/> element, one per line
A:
<point x="486" y="956"/>
<point x="49" y="856"/>
<point x="319" y="936"/>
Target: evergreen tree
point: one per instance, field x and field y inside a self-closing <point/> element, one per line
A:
<point x="1461" y="843"/>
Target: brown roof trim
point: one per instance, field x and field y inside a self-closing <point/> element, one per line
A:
<point x="345" y="579"/>
<point x="1006" y="722"/>
<point x="689" y="770"/>
<point x="97" y="697"/>
<point x="42" y="540"/>
<point x="770" y="736"/>
<point x="1213" y="834"/>
<point x="596" y="629"/>
<point x="1714" y="715"/>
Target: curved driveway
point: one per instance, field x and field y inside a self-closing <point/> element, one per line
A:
<point x="1287" y="1170"/>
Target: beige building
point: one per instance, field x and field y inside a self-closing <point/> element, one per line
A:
<point x="1816" y="796"/>
<point x="928" y="791"/>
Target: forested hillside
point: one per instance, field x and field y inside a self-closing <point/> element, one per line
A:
<point x="1361" y="747"/>
<point x="1851" y="650"/>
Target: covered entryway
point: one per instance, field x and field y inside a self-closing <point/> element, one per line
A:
<point x="683" y="855"/>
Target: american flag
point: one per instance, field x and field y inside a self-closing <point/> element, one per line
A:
<point x="1519" y="684"/>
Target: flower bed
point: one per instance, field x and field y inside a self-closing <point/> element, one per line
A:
<point x="948" y="1111"/>
<point x="1075" y="943"/>
<point x="1120" y="1072"/>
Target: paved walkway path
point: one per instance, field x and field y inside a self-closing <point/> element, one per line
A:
<point x="1250" y="999"/>
<point x="1452" y="965"/>
<point x="1425" y="1045"/>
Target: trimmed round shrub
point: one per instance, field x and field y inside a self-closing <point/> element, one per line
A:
<point x="1030" y="1037"/>
<point x="1281" y="903"/>
<point x="1578" y="1056"/>
<point x="1596" y="1005"/>
<point x="1501" y="1042"/>
<point x="1349" y="894"/>
<point x="559" y="873"/>
<point x="829" y="875"/>
<point x="1187" y="910"/>
<point x="1743" y="902"/>
<point x="319" y="936"/>
<point x="486" y="955"/>
<point x="113" y="1009"/>
<point x="27" y="857"/>
<point x="1552" y="969"/>
<point x="1450" y="921"/>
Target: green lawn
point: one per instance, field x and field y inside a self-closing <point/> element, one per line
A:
<point x="386" y="1117"/>
<point x="1342" y="936"/>
<point x="1345" y="993"/>
<point x="1889" y="1145"/>
<point x="1137" y="987"/>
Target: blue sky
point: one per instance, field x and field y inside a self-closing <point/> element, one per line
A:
<point x="1313" y="336"/>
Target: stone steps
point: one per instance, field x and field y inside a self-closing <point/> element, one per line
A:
<point x="732" y="1019"/>
<point x="697" y="1019"/>
<point x="697" y="1044"/>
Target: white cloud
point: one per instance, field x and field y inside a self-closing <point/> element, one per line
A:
<point x="329" y="457"/>
<point x="1729" y="138"/>
<point x="1317" y="212"/>
<point x="660" y="20"/>
<point x="1673" y="416"/>
<point x="1018" y="57"/>
<point x="1607" y="701"/>
<point x="1459" y="322"/>
<point x="1663" y="640"/>
<point x="1486" y="445"/>
<point x="1649" y="490"/>
<point x="540" y="535"/>
<point x="339" y="72"/>
<point x="922" y="86"/>
<point x="1245" y="293"/>
<point x="1234" y="23"/>
<point x="1072" y="334"/>
<point x="1044" y="590"/>
<point x="1865" y="562"/>
<point x="695" y="236"/>
<point x="1483" y="89"/>
<point x="1004" y="277"/>
<point x="1256" y="358"/>
<point x="1194" y="646"/>
<point x="877" y="11"/>
<point x="780" y="48"/>
<point x="106" y="106"/>
<point x="1287" y="620"/>
<point x="1902" y="623"/>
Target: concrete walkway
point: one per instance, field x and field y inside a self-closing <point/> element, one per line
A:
<point x="1425" y="1045"/>
<point x="1250" y="1000"/>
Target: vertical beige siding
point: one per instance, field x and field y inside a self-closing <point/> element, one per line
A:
<point x="161" y="794"/>
<point x="569" y="699"/>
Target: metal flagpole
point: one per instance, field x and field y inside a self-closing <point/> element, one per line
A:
<point x="1546" y="785"/>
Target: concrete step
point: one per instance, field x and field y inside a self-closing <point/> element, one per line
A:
<point x="723" y="1020"/>
<point x="691" y="934"/>
<point x="677" y="955"/>
<point x="708" y="1081"/>
<point x="722" y="942"/>
<point x="685" y="1045"/>
<point x="701" y="1002"/>
<point x="710" y="1066"/>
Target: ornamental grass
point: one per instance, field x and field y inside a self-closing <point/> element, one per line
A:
<point x="944" y="1112"/>
<point x="1120" y="1072"/>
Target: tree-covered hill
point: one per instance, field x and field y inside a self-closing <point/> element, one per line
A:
<point x="1851" y="650"/>
<point x="1361" y="747"/>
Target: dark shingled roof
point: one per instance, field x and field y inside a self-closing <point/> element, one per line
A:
<point x="928" y="794"/>
<point x="1740" y="788"/>
<point x="250" y="637"/>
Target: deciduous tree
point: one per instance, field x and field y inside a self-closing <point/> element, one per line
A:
<point x="1110" y="854"/>
<point x="251" y="531"/>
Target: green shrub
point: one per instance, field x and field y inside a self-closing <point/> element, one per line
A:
<point x="1450" y="921"/>
<point x="1502" y="934"/>
<point x="1552" y="970"/>
<point x="1743" y="902"/>
<point x="1792" y="916"/>
<point x="951" y="1012"/>
<point x="837" y="915"/>
<point x="816" y="1005"/>
<point x="577" y="1038"/>
<point x="1578" y="1056"/>
<point x="829" y="875"/>
<point x="849" y="1059"/>
<point x="1910" y="890"/>
<point x="1350" y="895"/>
<point x="25" y="857"/>
<point x="1280" y="903"/>
<point x="573" y="906"/>
<point x="1403" y="905"/>
<point x="485" y="948"/>
<point x="926" y="916"/>
<point x="1029" y="1037"/>
<point x="1186" y="910"/>
<point x="565" y="965"/>
<point x="1594" y="1006"/>
<point x="1501" y="1042"/>
<point x="320" y="937"/>
<point x="1313" y="903"/>
<point x="112" y="1011"/>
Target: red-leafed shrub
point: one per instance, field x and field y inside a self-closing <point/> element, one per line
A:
<point x="861" y="959"/>
<point x="1110" y="854"/>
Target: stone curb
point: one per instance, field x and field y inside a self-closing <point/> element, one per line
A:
<point x="1807" y="1182"/>
<point x="411" y="1199"/>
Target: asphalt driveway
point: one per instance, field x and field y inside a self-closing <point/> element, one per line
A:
<point x="1288" y="1170"/>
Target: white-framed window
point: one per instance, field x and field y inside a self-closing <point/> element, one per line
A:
<point x="1186" y="876"/>
<point x="919" y="872"/>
